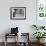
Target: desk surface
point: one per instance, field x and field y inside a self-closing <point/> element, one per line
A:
<point x="9" y="34"/>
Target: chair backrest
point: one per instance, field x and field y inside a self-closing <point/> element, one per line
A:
<point x="14" y="30"/>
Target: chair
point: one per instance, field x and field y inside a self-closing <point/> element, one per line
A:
<point x="7" y="35"/>
<point x="26" y="41"/>
<point x="14" y="32"/>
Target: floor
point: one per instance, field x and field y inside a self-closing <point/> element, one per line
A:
<point x="13" y="44"/>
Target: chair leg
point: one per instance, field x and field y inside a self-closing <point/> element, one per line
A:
<point x="5" y="43"/>
<point x="5" y="39"/>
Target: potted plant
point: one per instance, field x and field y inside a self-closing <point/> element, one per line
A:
<point x="39" y="35"/>
<point x="35" y="26"/>
<point x="38" y="27"/>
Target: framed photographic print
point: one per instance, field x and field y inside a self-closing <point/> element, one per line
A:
<point x="17" y="13"/>
<point x="41" y="9"/>
<point x="41" y="12"/>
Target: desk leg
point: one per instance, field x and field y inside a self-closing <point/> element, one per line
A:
<point x="5" y="40"/>
<point x="17" y="40"/>
<point x="5" y="43"/>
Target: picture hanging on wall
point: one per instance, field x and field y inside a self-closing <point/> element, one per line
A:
<point x="41" y="8"/>
<point x="18" y="13"/>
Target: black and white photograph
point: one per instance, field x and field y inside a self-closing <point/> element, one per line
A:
<point x="18" y="13"/>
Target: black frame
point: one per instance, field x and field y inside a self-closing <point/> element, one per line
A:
<point x="17" y="18"/>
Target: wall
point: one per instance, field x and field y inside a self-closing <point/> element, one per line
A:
<point x="24" y="25"/>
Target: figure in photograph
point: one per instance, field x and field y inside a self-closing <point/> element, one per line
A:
<point x="14" y="13"/>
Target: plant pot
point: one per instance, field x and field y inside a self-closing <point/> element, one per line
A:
<point x="40" y="41"/>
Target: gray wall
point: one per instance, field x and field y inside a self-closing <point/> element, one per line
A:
<point x="24" y="25"/>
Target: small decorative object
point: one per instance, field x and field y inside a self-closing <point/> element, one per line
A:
<point x="22" y="44"/>
<point x="17" y="13"/>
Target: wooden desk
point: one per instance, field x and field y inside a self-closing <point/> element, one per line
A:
<point x="17" y="43"/>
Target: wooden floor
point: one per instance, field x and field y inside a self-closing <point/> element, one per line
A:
<point x="13" y="44"/>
